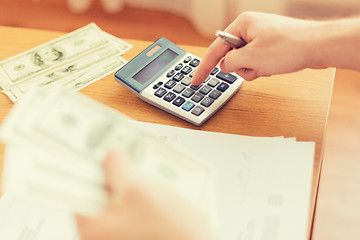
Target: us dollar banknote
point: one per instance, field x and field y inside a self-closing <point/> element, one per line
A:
<point x="74" y="76"/>
<point x="56" y="142"/>
<point x="53" y="63"/>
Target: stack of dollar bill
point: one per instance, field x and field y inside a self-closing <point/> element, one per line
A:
<point x="73" y="61"/>
<point x="56" y="142"/>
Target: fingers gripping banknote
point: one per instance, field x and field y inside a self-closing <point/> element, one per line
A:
<point x="55" y="143"/>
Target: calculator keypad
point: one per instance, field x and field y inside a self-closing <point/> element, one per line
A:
<point x="193" y="99"/>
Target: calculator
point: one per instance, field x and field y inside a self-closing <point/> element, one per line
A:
<point x="161" y="75"/>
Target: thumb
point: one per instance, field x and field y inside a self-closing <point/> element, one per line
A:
<point x="247" y="74"/>
<point x="118" y="171"/>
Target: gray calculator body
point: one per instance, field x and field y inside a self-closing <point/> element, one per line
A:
<point x="161" y="75"/>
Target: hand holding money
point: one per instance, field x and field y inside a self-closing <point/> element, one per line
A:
<point x="139" y="209"/>
<point x="56" y="142"/>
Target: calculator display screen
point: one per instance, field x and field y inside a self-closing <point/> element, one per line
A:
<point x="155" y="66"/>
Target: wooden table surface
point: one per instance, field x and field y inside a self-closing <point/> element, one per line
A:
<point x="290" y="105"/>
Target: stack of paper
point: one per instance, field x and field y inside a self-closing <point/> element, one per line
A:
<point x="72" y="61"/>
<point x="263" y="186"/>
<point x="24" y="220"/>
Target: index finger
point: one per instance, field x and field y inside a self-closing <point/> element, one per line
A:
<point x="216" y="51"/>
<point x="212" y="56"/>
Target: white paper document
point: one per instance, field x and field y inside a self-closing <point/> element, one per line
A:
<point x="21" y="220"/>
<point x="263" y="184"/>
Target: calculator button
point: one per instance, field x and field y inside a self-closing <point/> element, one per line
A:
<point x="207" y="79"/>
<point x="205" y="90"/>
<point x="197" y="110"/>
<point x="186" y="70"/>
<point x="170" y="84"/>
<point x="188" y="106"/>
<point x="222" y="87"/>
<point x="178" y="77"/>
<point x="178" y="101"/>
<point x="227" y="77"/>
<point x="188" y="92"/>
<point x="215" y="94"/>
<point x="213" y="82"/>
<point x="186" y="81"/>
<point x="171" y="73"/>
<point x="179" y="66"/>
<point x="195" y="62"/>
<point x="214" y="71"/>
<point x="156" y="86"/>
<point x="207" y="102"/>
<point x="170" y="96"/>
<point x="197" y="97"/>
<point x="187" y="59"/>
<point x="192" y="74"/>
<point x="179" y="88"/>
<point x="195" y="87"/>
<point x="160" y="92"/>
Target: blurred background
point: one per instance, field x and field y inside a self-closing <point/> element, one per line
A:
<point x="185" y="21"/>
<point x="193" y="22"/>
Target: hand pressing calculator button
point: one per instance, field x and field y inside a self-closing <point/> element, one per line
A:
<point x="161" y="75"/>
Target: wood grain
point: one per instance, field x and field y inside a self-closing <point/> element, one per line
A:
<point x="338" y="208"/>
<point x="290" y="105"/>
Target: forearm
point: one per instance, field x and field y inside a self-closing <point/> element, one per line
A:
<point x="278" y="44"/>
<point x="339" y="45"/>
